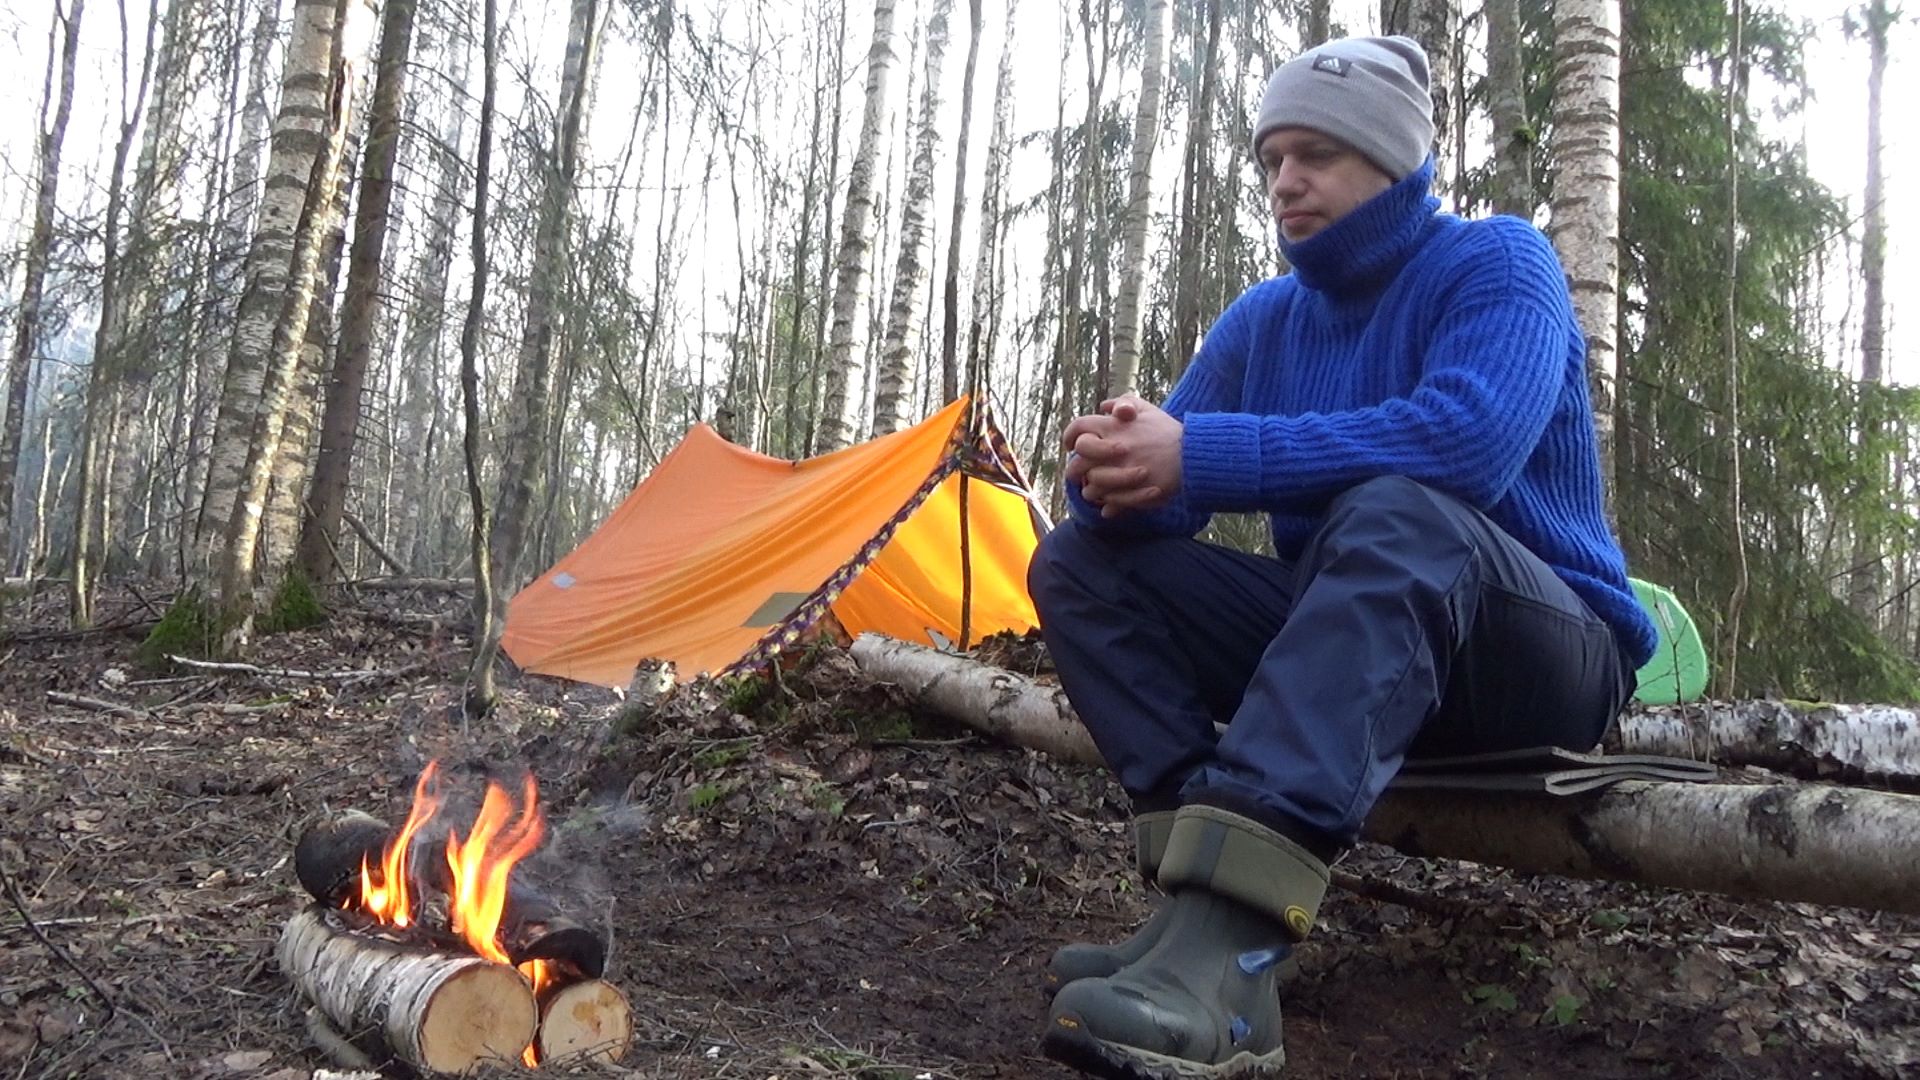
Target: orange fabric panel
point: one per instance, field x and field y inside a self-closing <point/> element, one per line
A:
<point x="914" y="584"/>
<point x="702" y="544"/>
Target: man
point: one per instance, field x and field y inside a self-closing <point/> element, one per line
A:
<point x="1409" y="405"/>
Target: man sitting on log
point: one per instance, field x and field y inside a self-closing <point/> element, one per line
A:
<point x="1409" y="405"/>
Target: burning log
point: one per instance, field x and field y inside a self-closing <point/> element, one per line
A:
<point x="327" y="861"/>
<point x="442" y="1013"/>
<point x="587" y="1021"/>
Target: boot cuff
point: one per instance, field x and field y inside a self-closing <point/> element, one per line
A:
<point x="1241" y="859"/>
<point x="1150" y="833"/>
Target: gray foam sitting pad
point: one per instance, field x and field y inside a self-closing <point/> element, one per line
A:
<point x="1546" y="770"/>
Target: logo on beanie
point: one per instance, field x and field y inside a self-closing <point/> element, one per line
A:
<point x="1332" y="65"/>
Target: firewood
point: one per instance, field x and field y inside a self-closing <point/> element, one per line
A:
<point x="437" y="1012"/>
<point x="328" y="856"/>
<point x="587" y="1021"/>
<point x="1792" y="842"/>
<point x="327" y="860"/>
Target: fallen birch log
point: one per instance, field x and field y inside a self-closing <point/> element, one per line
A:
<point x="1870" y="744"/>
<point x="584" y="1022"/>
<point x="1816" y="844"/>
<point x="436" y="1012"/>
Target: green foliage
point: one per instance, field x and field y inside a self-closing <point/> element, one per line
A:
<point x="706" y="795"/>
<point x="1563" y="1010"/>
<point x="1494" y="997"/>
<point x="294" y="607"/>
<point x="1609" y="920"/>
<point x="189" y="628"/>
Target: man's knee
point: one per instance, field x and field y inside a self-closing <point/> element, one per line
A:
<point x="1066" y="545"/>
<point x="1400" y="498"/>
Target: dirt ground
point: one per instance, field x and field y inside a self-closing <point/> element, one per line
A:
<point x="799" y="880"/>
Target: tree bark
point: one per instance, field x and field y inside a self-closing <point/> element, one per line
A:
<point x="902" y="336"/>
<point x="438" y="1012"/>
<point x="300" y="133"/>
<point x="26" y="323"/>
<point x="1125" y="371"/>
<point x="950" y="293"/>
<point x="100" y="414"/>
<point x="1787" y="842"/>
<point x="340" y="427"/>
<point x="480" y="694"/>
<point x="1868" y="574"/>
<point x="993" y="197"/>
<point x="1586" y="194"/>
<point x="1513" y="135"/>
<point x="1867" y="744"/>
<point x="238" y="561"/>
<point x="1196" y="176"/>
<point x="840" y="407"/>
<point x="1432" y="23"/>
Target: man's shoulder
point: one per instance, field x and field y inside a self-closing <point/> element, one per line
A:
<point x="1501" y="235"/>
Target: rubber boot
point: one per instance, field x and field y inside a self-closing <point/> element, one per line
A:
<point x="1202" y="1003"/>
<point x="1083" y="960"/>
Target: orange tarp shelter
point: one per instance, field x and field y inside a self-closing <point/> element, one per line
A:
<point x="723" y="557"/>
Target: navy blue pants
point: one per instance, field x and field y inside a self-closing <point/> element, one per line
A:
<point x="1411" y="625"/>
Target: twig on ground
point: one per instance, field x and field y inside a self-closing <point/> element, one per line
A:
<point x="94" y="704"/>
<point x="297" y="673"/>
<point x="332" y="1043"/>
<point x="20" y="905"/>
<point x="1444" y="907"/>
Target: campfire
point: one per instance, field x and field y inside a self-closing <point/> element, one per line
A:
<point x="426" y="936"/>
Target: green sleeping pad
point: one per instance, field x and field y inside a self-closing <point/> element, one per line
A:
<point x="1678" y="671"/>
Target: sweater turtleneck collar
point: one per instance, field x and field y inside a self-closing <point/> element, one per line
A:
<point x="1371" y="243"/>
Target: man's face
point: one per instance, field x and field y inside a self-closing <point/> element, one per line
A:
<point x="1314" y="180"/>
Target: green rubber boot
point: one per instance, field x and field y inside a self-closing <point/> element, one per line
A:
<point x="1202" y="1003"/>
<point x="1071" y="963"/>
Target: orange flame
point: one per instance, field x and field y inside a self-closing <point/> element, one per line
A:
<point x="502" y="835"/>
<point x="387" y="897"/>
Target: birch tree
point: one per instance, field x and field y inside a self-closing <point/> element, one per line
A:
<point x="299" y="133"/>
<point x="839" y="408"/>
<point x="341" y="423"/>
<point x="237" y="567"/>
<point x="1513" y="135"/>
<point x="1586" y="192"/>
<point x="52" y="136"/>
<point x="902" y="337"/>
<point x="982" y="326"/>
<point x="1133" y="224"/>
<point x="1433" y="24"/>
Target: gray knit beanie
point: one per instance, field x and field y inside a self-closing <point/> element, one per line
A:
<point x="1370" y="93"/>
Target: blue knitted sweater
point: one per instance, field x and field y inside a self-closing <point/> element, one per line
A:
<point x="1405" y="342"/>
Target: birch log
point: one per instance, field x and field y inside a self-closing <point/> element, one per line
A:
<point x="585" y="1022"/>
<point x="1816" y="844"/>
<point x="1871" y="744"/>
<point x="440" y="1013"/>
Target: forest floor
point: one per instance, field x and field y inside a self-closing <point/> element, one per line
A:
<point x="801" y="880"/>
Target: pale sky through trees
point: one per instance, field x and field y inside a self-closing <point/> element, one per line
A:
<point x="1833" y="126"/>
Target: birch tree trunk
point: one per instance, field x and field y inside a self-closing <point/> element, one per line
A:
<point x="950" y="292"/>
<point x="1125" y="372"/>
<point x="26" y="323"/>
<point x="480" y="693"/>
<point x="1586" y="193"/>
<point x="1432" y="23"/>
<point x="1513" y="135"/>
<point x="529" y="412"/>
<point x="238" y="562"/>
<point x="1868" y="574"/>
<point x="1196" y="177"/>
<point x="341" y="425"/>
<point x="299" y="133"/>
<point x="839" y="407"/>
<point x="902" y="337"/>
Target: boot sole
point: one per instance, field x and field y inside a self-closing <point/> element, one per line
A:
<point x="1068" y="1042"/>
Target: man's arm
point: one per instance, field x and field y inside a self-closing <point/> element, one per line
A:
<point x="1493" y="375"/>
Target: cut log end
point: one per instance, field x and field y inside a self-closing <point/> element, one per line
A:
<point x="583" y="1022"/>
<point x="482" y="1013"/>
